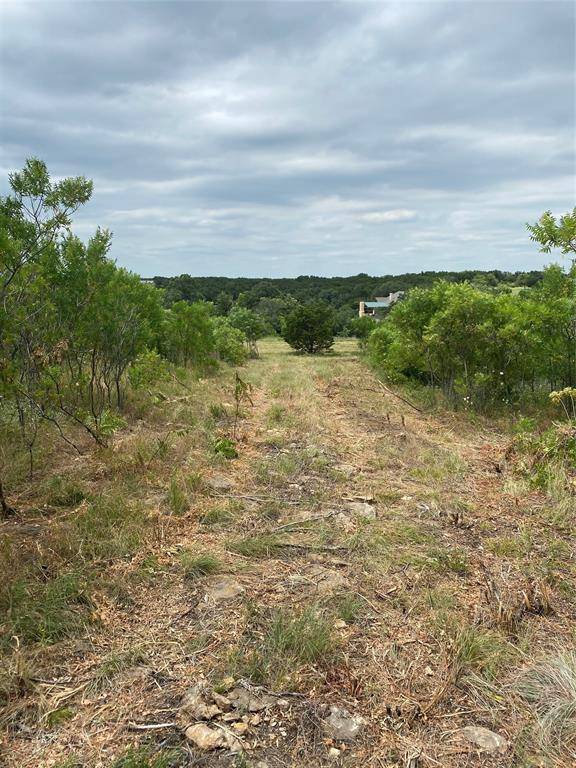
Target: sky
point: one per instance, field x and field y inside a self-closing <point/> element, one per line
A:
<point x="277" y="139"/>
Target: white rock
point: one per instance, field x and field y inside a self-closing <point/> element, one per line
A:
<point x="211" y="738"/>
<point x="342" y="725"/>
<point x="362" y="509"/>
<point x="223" y="588"/>
<point x="195" y="707"/>
<point x="484" y="739"/>
<point x="218" y="483"/>
<point x="250" y="702"/>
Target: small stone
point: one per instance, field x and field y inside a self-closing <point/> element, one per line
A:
<point x="218" y="483"/>
<point x="282" y="703"/>
<point x="428" y="671"/>
<point x="204" y="737"/>
<point x="362" y="509"/>
<point x="250" y="702"/>
<point x="240" y="727"/>
<point x="327" y="580"/>
<point x="194" y="705"/>
<point x="484" y="739"/>
<point x="333" y="753"/>
<point x="224" y="588"/>
<point x="343" y="726"/>
<point x="256" y="720"/>
<point x="340" y="624"/>
<point x="221" y="701"/>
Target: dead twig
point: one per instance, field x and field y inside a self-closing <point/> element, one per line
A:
<point x="395" y="394"/>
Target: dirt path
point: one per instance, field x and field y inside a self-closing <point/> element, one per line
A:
<point x="346" y="556"/>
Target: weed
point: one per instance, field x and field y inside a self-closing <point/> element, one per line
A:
<point x="549" y="686"/>
<point x="226" y="448"/>
<point x="349" y="607"/>
<point x="216" y="516"/>
<point x="260" y="546"/>
<point x="146" y="758"/>
<point x="280" y="641"/>
<point x="114" y="663"/>
<point x="177" y="498"/>
<point x="63" y="492"/>
<point x="199" y="565"/>
<point x="46" y="611"/>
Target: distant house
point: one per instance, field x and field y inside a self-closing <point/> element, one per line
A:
<point x="374" y="308"/>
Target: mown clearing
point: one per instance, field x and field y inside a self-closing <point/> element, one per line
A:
<point x="357" y="553"/>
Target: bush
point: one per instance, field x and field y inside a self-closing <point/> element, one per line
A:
<point x="229" y="342"/>
<point x="310" y="328"/>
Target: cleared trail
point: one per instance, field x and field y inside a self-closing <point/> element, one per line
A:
<point x="345" y="559"/>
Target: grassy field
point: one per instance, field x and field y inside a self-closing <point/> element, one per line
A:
<point x="358" y="553"/>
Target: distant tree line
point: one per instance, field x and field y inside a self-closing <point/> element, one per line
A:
<point x="273" y="298"/>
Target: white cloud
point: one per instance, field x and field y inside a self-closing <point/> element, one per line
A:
<point x="399" y="214"/>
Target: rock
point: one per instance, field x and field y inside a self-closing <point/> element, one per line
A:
<point x="240" y="728"/>
<point x="340" y="624"/>
<point x="343" y="726"/>
<point x="333" y="753"/>
<point x="484" y="739"/>
<point x="218" y="483"/>
<point x="362" y="509"/>
<point x="221" y="701"/>
<point x="347" y="469"/>
<point x="223" y="588"/>
<point x="195" y="707"/>
<point x="250" y="702"/>
<point x="211" y="738"/>
<point x="326" y="580"/>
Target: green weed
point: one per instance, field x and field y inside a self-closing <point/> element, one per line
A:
<point x="196" y="566"/>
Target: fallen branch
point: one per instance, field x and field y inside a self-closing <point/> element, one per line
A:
<point x="395" y="394"/>
<point x="150" y="726"/>
<point x="301" y="522"/>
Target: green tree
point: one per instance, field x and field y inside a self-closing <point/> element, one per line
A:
<point x="310" y="328"/>
<point x="550" y="233"/>
<point x="252" y="326"/>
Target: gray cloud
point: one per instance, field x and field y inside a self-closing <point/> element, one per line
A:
<point x="275" y="138"/>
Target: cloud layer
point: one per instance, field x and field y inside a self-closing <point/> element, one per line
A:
<point x="274" y="138"/>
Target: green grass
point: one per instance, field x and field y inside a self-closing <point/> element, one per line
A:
<point x="481" y="651"/>
<point x="349" y="607"/>
<point x="259" y="546"/>
<point x="63" y="492"/>
<point x="216" y="516"/>
<point x="114" y="663"/>
<point x="510" y="546"/>
<point x="176" y="497"/>
<point x="144" y="757"/>
<point x="197" y="565"/>
<point x="45" y="611"/>
<point x="280" y="643"/>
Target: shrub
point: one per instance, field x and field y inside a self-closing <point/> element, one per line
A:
<point x="309" y="328"/>
<point x="229" y="342"/>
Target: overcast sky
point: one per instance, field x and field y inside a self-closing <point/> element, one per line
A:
<point x="278" y="139"/>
